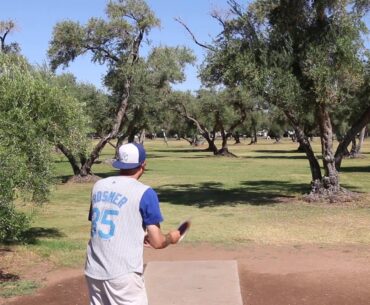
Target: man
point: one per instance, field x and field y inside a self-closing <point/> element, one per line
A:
<point x="124" y="214"/>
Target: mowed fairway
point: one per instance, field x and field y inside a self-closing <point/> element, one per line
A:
<point x="255" y="198"/>
<point x="251" y="204"/>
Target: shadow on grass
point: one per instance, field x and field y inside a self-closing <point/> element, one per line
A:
<point x="183" y="150"/>
<point x="280" y="152"/>
<point x="154" y="156"/>
<point x="355" y="169"/>
<point x="214" y="194"/>
<point x="276" y="151"/>
<point x="275" y="157"/>
<point x="114" y="172"/>
<point x="199" y="157"/>
<point x="8" y="277"/>
<point x="32" y="235"/>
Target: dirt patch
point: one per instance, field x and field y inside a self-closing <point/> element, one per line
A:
<point x="269" y="275"/>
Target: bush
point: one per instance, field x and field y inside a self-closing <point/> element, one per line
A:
<point x="13" y="224"/>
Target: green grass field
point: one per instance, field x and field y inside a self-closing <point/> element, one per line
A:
<point x="254" y="198"/>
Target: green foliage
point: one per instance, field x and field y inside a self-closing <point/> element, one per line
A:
<point x="13" y="224"/>
<point x="34" y="115"/>
<point x="167" y="64"/>
<point x="136" y="84"/>
<point x="22" y="127"/>
<point x="95" y="104"/>
<point x="292" y="53"/>
<point x="305" y="57"/>
<point x="129" y="12"/>
<point x="113" y="41"/>
<point x="151" y="87"/>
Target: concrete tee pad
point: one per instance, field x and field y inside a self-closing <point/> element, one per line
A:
<point x="193" y="283"/>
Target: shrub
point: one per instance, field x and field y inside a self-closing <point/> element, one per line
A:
<point x="13" y="224"/>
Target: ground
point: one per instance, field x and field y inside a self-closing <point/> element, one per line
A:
<point x="269" y="275"/>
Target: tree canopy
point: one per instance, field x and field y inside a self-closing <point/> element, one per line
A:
<point x="301" y="56"/>
<point x="116" y="41"/>
<point x="34" y="116"/>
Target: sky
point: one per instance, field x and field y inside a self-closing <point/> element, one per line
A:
<point x="35" y="20"/>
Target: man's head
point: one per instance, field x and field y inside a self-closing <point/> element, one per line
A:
<point x="131" y="159"/>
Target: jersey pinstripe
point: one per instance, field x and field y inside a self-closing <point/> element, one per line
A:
<point x="116" y="244"/>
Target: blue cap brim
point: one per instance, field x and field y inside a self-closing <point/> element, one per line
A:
<point x="120" y="165"/>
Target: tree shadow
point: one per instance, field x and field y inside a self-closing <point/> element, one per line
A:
<point x="8" y="277"/>
<point x="100" y="174"/>
<point x="198" y="157"/>
<point x="355" y="169"/>
<point x="280" y="154"/>
<point x="61" y="161"/>
<point x="352" y="188"/>
<point x="275" y="157"/>
<point x="182" y="150"/>
<point x="277" y="151"/>
<point x="212" y="194"/>
<point x="32" y="235"/>
<point x="154" y="156"/>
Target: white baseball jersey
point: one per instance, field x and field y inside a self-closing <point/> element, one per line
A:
<point x="121" y="208"/>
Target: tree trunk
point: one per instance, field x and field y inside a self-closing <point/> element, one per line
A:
<point x="277" y="139"/>
<point x="253" y="136"/>
<point x="86" y="167"/>
<point x="357" y="146"/>
<point x="353" y="150"/>
<point x="72" y="160"/>
<point x="201" y="129"/>
<point x="327" y="187"/>
<point x="354" y="130"/>
<point x="120" y="141"/>
<point x="236" y="136"/>
<point x="300" y="148"/>
<point x="142" y="137"/>
<point x="330" y="182"/>
<point x="131" y="137"/>
<point x="211" y="143"/>
<point x="306" y="146"/>
<point x="361" y="140"/>
<point x="191" y="141"/>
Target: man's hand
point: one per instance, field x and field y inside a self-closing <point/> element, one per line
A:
<point x="174" y="236"/>
<point x="156" y="239"/>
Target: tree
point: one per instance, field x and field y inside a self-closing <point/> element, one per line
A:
<point x="6" y="28"/>
<point x="98" y="111"/>
<point x="131" y="78"/>
<point x="301" y="56"/>
<point x="115" y="42"/>
<point x="163" y="66"/>
<point x="213" y="112"/>
<point x="34" y="116"/>
<point x="189" y="108"/>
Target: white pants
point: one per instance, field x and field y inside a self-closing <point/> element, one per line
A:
<point x="127" y="289"/>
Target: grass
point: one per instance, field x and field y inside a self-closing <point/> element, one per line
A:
<point x="22" y="287"/>
<point x="232" y="201"/>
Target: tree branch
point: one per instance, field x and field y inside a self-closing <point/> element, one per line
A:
<point x="205" y="46"/>
<point x="354" y="130"/>
<point x="106" y="52"/>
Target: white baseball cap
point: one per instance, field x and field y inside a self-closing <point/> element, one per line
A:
<point x="130" y="156"/>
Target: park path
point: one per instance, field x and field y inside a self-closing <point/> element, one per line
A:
<point x="269" y="275"/>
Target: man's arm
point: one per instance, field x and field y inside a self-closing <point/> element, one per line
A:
<point x="158" y="240"/>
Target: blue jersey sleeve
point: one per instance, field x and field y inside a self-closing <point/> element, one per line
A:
<point x="149" y="208"/>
